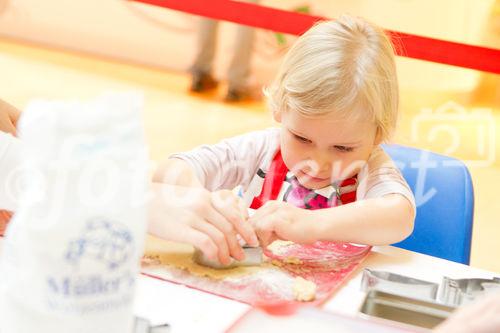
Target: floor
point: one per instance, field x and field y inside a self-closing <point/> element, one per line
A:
<point x="29" y="72"/>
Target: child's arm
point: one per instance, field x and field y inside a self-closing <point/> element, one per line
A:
<point x="377" y="221"/>
<point x="177" y="172"/>
<point x="199" y="184"/>
<point x="185" y="215"/>
<point x="225" y="165"/>
<point x="223" y="209"/>
<point x="185" y="211"/>
<point x="383" y="214"/>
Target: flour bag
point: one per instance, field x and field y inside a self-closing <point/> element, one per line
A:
<point x="71" y="253"/>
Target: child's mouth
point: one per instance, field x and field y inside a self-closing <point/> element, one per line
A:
<point x="314" y="179"/>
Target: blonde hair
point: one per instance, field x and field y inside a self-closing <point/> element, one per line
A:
<point x="340" y="66"/>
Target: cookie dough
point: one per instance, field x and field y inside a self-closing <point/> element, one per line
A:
<point x="164" y="253"/>
<point x="304" y="290"/>
<point x="160" y="253"/>
<point x="278" y="246"/>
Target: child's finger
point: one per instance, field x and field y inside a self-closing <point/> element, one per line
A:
<point x="262" y="220"/>
<point x="232" y="212"/>
<point x="243" y="208"/>
<point x="271" y="239"/>
<point x="264" y="228"/>
<point x="229" y="232"/>
<point x="201" y="241"/>
<point x="217" y="237"/>
<point x="244" y="211"/>
<point x="269" y="208"/>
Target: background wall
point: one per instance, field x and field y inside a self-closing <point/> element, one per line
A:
<point x="140" y="33"/>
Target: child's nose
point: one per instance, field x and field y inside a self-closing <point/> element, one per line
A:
<point x="325" y="167"/>
<point x="323" y="163"/>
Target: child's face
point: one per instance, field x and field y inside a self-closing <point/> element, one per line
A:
<point x="324" y="149"/>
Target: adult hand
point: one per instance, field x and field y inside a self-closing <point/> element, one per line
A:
<point x="8" y="118"/>
<point x="5" y="217"/>
<point x="483" y="316"/>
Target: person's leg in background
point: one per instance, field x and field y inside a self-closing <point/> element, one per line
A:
<point x="239" y="69"/>
<point x="201" y="69"/>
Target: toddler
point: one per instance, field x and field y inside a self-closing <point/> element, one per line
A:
<point x="321" y="176"/>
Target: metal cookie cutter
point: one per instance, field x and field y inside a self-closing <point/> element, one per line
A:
<point x="253" y="257"/>
<point x="456" y="292"/>
<point x="398" y="284"/>
<point x="417" y="312"/>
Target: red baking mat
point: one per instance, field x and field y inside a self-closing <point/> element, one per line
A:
<point x="325" y="263"/>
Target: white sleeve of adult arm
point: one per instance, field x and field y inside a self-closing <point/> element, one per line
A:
<point x="10" y="161"/>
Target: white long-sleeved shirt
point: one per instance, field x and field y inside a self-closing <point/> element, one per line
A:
<point x="241" y="161"/>
<point x="10" y="160"/>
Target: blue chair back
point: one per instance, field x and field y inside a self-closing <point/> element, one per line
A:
<point x="445" y="203"/>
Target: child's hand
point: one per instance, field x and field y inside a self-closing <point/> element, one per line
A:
<point x="209" y="221"/>
<point x="280" y="220"/>
<point x="228" y="213"/>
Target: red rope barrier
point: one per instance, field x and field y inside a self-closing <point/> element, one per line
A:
<point x="407" y="45"/>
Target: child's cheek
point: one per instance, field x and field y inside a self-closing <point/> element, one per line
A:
<point x="292" y="154"/>
<point x="352" y="163"/>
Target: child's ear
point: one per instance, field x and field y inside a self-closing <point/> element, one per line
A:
<point x="277" y="116"/>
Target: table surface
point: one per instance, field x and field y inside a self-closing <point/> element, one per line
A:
<point x="190" y="310"/>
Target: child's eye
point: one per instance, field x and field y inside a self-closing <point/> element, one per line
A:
<point x="301" y="139"/>
<point x="344" y="149"/>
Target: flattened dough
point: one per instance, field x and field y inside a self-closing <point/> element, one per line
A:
<point x="181" y="256"/>
<point x="277" y="246"/>
<point x="160" y="252"/>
